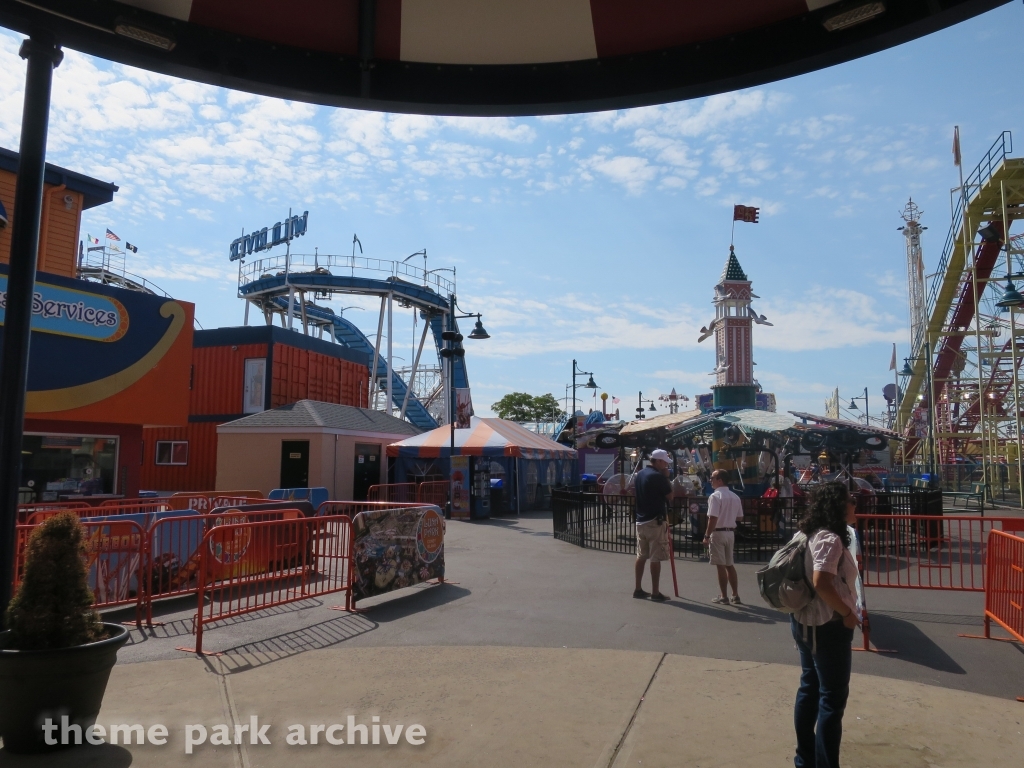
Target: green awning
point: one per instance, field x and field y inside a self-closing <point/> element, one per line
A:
<point x="759" y="421"/>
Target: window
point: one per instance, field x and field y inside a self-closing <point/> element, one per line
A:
<point x="172" y="452"/>
<point x="55" y="465"/>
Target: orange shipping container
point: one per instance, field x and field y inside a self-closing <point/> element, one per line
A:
<point x="238" y="371"/>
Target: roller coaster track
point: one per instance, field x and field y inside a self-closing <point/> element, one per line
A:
<point x="951" y="301"/>
<point x="268" y="286"/>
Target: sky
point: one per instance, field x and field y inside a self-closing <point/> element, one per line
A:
<point x="595" y="237"/>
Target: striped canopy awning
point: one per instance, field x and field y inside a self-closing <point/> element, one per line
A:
<point x="485" y="57"/>
<point x="486" y="437"/>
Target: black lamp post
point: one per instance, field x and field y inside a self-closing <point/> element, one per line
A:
<point x="640" y="406"/>
<point x="454" y="349"/>
<point x="43" y="54"/>
<point x="867" y="409"/>
<point x="576" y="371"/>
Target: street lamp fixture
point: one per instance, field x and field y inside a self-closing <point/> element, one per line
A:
<point x="853" y="405"/>
<point x="640" y="406"/>
<point x="454" y="349"/>
<point x="591" y="384"/>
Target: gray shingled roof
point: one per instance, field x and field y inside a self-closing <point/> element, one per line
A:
<point x="733" y="270"/>
<point x="312" y="413"/>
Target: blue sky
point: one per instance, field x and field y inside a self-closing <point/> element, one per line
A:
<point x="594" y="236"/>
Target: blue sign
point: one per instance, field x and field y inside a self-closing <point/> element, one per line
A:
<point x="69" y="312"/>
<point x="266" y="238"/>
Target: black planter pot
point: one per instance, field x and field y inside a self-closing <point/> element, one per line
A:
<point x="52" y="683"/>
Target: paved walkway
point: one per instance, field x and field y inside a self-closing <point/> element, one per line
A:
<point x="539" y="656"/>
<point x="500" y="706"/>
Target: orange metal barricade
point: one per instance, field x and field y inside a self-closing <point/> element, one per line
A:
<point x="205" y="501"/>
<point x="401" y="492"/>
<point x="1004" y="586"/>
<point x="27" y="510"/>
<point x="115" y="555"/>
<point x="434" y="492"/>
<point x="173" y="551"/>
<point x="926" y="551"/>
<point x="249" y="567"/>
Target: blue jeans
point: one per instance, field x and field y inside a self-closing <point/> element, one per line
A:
<point x="824" y="689"/>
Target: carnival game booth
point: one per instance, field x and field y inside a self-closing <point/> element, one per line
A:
<point x="498" y="467"/>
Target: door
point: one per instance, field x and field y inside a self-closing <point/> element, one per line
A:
<point x="294" y="464"/>
<point x="367" y="470"/>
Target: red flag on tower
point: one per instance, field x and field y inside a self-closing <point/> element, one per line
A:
<point x="746" y="213"/>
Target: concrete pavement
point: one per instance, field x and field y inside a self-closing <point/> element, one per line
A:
<point x="540" y="656"/>
<point x="501" y="706"/>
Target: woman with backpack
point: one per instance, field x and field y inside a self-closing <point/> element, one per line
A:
<point x="823" y="630"/>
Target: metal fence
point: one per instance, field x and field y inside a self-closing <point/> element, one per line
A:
<point x="607" y="523"/>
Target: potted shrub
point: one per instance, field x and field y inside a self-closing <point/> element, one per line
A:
<point x="56" y="654"/>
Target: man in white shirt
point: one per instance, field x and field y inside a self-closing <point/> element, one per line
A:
<point x="724" y="509"/>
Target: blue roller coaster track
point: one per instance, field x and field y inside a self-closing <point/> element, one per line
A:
<point x="267" y="283"/>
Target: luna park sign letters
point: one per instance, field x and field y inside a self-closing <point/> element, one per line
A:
<point x="266" y="238"/>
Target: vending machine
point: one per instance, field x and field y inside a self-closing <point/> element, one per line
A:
<point x="481" y="487"/>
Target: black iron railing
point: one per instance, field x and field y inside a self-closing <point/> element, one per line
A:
<point x="607" y="523"/>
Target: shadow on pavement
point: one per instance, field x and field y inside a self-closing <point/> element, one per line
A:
<point x="911" y="644"/>
<point x="104" y="756"/>
<point x="745" y="614"/>
<point x="415" y="600"/>
<point x="313" y="638"/>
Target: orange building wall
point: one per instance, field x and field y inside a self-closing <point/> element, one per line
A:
<point x="200" y="474"/>
<point x="302" y="375"/>
<point x="217" y="390"/>
<point x="58" y="232"/>
<point x="218" y="375"/>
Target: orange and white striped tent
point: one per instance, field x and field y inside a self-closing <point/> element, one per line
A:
<point x="485" y="437"/>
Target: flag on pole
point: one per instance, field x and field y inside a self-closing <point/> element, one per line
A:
<point x="130" y="247"/>
<point x="892" y="362"/>
<point x="615" y="401"/>
<point x="747" y="213"/>
<point x="92" y="240"/>
<point x="112" y="236"/>
<point x="956" y="145"/>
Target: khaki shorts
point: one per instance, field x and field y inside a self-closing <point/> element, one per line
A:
<point x="651" y="542"/>
<point x="721" y="547"/>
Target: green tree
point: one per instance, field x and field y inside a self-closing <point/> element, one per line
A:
<point x="521" y="406"/>
<point x="546" y="407"/>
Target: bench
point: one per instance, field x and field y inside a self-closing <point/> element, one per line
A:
<point x="977" y="493"/>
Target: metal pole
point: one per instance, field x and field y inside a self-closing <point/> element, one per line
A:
<point x="415" y="365"/>
<point x="1013" y="342"/>
<point x="43" y="55"/>
<point x="451" y="384"/>
<point x="246" y="320"/>
<point x="931" y="405"/>
<point x="867" y="409"/>
<point x="390" y="392"/>
<point x="573" y="414"/>
<point x="376" y="355"/>
<point x="287" y="269"/>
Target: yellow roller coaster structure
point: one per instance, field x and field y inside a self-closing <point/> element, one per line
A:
<point x="961" y="407"/>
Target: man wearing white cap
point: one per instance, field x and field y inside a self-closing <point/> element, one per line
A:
<point x="653" y="494"/>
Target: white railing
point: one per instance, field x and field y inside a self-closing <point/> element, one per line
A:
<point x="97" y="265"/>
<point x="351" y="266"/>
